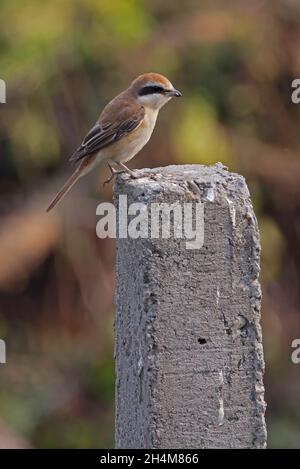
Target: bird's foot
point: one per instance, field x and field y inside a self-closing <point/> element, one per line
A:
<point x="128" y="171"/>
<point x="108" y="180"/>
<point x="133" y="175"/>
<point x="114" y="173"/>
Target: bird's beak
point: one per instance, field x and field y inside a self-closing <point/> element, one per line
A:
<point x="175" y="93"/>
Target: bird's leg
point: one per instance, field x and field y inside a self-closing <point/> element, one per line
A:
<point x="113" y="174"/>
<point x="127" y="170"/>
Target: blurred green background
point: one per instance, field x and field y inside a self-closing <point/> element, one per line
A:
<point x="62" y="61"/>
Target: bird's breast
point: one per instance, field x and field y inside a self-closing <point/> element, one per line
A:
<point x="129" y="145"/>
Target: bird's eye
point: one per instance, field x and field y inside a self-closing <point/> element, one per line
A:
<point x="151" y="89"/>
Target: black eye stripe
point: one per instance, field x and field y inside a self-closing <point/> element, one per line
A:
<point x="151" y="89"/>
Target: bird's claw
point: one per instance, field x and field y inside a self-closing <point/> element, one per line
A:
<point x="107" y="181"/>
<point x="111" y="177"/>
<point x="122" y="171"/>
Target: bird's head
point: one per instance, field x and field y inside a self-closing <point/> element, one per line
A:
<point x="153" y="90"/>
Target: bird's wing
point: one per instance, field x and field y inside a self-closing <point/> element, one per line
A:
<point x="109" y="129"/>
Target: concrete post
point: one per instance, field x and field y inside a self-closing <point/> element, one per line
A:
<point x="189" y="357"/>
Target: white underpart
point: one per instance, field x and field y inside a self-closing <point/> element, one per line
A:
<point x="138" y="138"/>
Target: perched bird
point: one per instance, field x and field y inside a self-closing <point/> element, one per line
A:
<point x="123" y="128"/>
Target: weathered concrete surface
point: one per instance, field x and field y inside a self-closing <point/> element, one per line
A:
<point x="189" y="358"/>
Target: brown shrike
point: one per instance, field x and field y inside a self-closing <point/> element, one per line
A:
<point x="123" y="128"/>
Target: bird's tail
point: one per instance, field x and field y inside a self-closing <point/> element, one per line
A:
<point x="66" y="187"/>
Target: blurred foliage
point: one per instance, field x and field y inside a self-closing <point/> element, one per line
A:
<point x="62" y="61"/>
<point x="271" y="241"/>
<point x="199" y="138"/>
